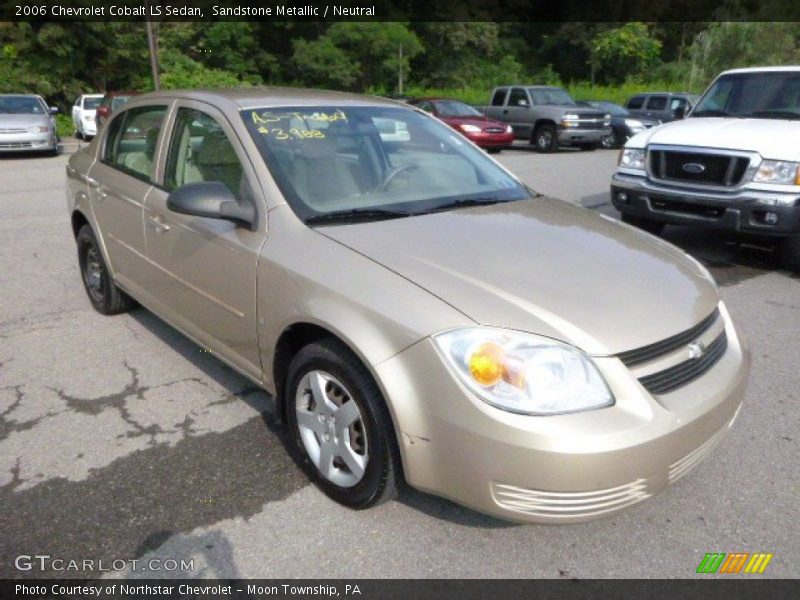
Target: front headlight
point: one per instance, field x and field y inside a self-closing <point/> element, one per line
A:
<point x="470" y="128"/>
<point x="39" y="129"/>
<point x="633" y="158"/>
<point x="778" y="171"/>
<point x="524" y="373"/>
<point x="509" y="129"/>
<point x="570" y="120"/>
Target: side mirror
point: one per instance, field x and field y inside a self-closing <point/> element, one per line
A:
<point x="523" y="103"/>
<point x="53" y="110"/>
<point x="680" y="112"/>
<point x="213" y="200"/>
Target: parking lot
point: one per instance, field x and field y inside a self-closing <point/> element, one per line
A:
<point x="122" y="439"/>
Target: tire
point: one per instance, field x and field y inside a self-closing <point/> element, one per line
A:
<point x="588" y="147"/>
<point x="643" y="223"/>
<point x="790" y="253"/>
<point x="369" y="445"/>
<point x="611" y="141"/>
<point x="78" y="134"/>
<point x="103" y="293"/>
<point x="544" y="138"/>
<point x="494" y="150"/>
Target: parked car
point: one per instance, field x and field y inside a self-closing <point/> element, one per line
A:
<point x="27" y="124"/>
<point x="417" y="311"/>
<point x="732" y="164"/>
<point x="663" y="106"/>
<point x="624" y="125"/>
<point x="548" y="117"/>
<point x="83" y="115"/>
<point x="111" y="101"/>
<point x="490" y="135"/>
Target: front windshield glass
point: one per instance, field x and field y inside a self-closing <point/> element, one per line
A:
<point x="373" y="162"/>
<point x="21" y="105"/>
<point x="451" y="108"/>
<point x="551" y="96"/>
<point x="610" y="108"/>
<point x="766" y="95"/>
<point x="92" y="103"/>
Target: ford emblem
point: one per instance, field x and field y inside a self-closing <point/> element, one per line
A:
<point x="694" y="168"/>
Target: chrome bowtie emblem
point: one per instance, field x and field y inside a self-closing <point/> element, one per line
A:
<point x="697" y="349"/>
<point x="694" y="168"/>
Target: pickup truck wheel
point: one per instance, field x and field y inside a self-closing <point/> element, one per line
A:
<point x="643" y="223"/>
<point x="105" y="296"/>
<point x="341" y="433"/>
<point x="610" y="141"/>
<point x="790" y="252"/>
<point x="544" y="138"/>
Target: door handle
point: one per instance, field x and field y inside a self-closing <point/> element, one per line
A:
<point x="157" y="223"/>
<point x="505" y="111"/>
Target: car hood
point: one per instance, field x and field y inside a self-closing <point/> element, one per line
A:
<point x="477" y="121"/>
<point x="771" y="138"/>
<point x="14" y="121"/>
<point x="546" y="267"/>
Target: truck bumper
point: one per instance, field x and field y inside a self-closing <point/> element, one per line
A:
<point x="745" y="211"/>
<point x="574" y="136"/>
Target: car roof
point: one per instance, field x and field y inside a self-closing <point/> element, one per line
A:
<point x="790" y="68"/>
<point x="20" y="96"/>
<point x="257" y="97"/>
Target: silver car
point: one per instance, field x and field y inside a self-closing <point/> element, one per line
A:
<point x="27" y="124"/>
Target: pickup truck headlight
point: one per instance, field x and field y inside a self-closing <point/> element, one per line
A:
<point x="470" y="128"/>
<point x="778" y="171"/>
<point x="569" y="120"/>
<point x="632" y="158"/>
<point x="607" y="120"/>
<point x="524" y="373"/>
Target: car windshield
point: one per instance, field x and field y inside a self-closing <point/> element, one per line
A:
<point x="764" y="95"/>
<point x="452" y="108"/>
<point x="92" y="103"/>
<point x="551" y="96"/>
<point x="370" y="162"/>
<point x="21" y="105"/>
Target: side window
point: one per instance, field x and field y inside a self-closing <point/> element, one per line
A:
<point x="131" y="141"/>
<point x="657" y="103"/>
<point x="200" y="151"/>
<point x="635" y="103"/>
<point x="426" y="106"/>
<point x="677" y="103"/>
<point x="518" y="97"/>
<point x="499" y="98"/>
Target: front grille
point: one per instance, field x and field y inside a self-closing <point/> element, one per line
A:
<point x="698" y="167"/>
<point x="564" y="506"/>
<point x="13" y="130"/>
<point x="494" y="130"/>
<point x="15" y="145"/>
<point x="651" y="351"/>
<point x="672" y="378"/>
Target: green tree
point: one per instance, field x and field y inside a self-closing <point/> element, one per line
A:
<point x="356" y="55"/>
<point x="624" y="53"/>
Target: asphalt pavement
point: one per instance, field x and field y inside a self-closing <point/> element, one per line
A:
<point x="121" y="439"/>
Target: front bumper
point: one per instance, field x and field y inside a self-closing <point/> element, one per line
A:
<point x="491" y="140"/>
<point x="27" y="142"/>
<point x="738" y="211"/>
<point x="556" y="469"/>
<point x="568" y="136"/>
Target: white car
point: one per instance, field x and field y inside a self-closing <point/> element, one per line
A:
<point x="83" y="112"/>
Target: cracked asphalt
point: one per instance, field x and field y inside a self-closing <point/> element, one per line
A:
<point x="122" y="439"/>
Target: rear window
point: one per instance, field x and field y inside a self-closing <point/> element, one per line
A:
<point x="635" y="102"/>
<point x="657" y="103"/>
<point x="499" y="98"/>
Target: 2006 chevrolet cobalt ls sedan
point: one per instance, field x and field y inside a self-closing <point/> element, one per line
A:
<point x="419" y="314"/>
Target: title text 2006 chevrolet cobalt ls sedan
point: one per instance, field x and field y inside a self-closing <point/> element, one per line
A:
<point x="419" y="313"/>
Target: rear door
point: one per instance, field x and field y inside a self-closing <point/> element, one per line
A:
<point x="118" y="184"/>
<point x="205" y="276"/>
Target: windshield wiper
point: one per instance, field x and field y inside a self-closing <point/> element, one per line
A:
<point x="711" y="112"/>
<point x="463" y="203"/>
<point x="354" y="215"/>
<point x="777" y="113"/>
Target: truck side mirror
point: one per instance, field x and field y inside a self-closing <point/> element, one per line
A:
<point x="523" y="103"/>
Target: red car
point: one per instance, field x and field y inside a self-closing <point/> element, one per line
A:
<point x="490" y="135"/>
<point x="111" y="102"/>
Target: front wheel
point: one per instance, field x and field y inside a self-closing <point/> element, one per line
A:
<point x="340" y="428"/>
<point x="105" y="296"/>
<point x="610" y="141"/>
<point x="790" y="252"/>
<point x="643" y="223"/>
<point x="544" y="138"/>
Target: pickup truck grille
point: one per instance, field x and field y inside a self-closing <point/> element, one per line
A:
<point x="592" y="121"/>
<point x="698" y="167"/>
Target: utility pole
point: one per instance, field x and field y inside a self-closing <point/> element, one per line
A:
<point x="151" y="43"/>
<point x="400" y="70"/>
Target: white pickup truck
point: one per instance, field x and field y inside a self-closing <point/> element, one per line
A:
<point x="732" y="164"/>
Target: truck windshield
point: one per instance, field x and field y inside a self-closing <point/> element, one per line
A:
<point x="551" y="96"/>
<point x="351" y="163"/>
<point x="763" y="95"/>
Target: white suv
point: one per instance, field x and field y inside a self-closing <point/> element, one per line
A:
<point x="733" y="163"/>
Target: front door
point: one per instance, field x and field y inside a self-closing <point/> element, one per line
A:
<point x="205" y="276"/>
<point x="518" y="113"/>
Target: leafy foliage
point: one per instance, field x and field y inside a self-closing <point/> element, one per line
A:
<point x="625" y="52"/>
